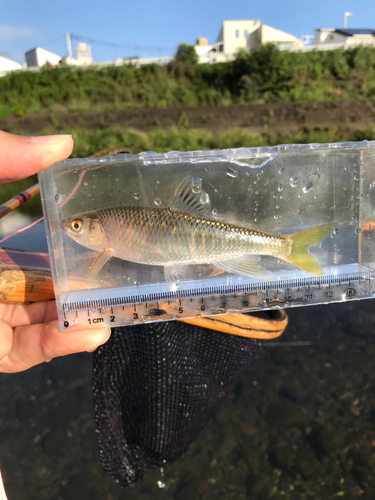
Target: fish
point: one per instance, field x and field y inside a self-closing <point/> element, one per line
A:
<point x="184" y="234"/>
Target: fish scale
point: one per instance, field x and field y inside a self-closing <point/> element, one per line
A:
<point x="160" y="236"/>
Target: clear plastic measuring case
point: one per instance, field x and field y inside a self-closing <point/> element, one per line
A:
<point x="199" y="208"/>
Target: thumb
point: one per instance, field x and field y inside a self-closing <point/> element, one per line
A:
<point x="21" y="157"/>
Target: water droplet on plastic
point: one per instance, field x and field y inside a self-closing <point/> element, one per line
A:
<point x="357" y="230"/>
<point x="299" y="211"/>
<point x="280" y="188"/>
<point x="85" y="184"/>
<point x="74" y="171"/>
<point x="59" y="198"/>
<point x="308" y="187"/>
<point x="336" y="231"/>
<point x="214" y="211"/>
<point x="232" y="172"/>
<point x="136" y="196"/>
<point x="293" y="181"/>
<point x="281" y="170"/>
<point x="177" y="282"/>
<point x="161" y="484"/>
<point x="196" y="185"/>
<point x="157" y="202"/>
<point x="275" y="216"/>
<point x="255" y="220"/>
<point x="204" y="199"/>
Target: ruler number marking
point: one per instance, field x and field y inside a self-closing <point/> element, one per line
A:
<point x="95" y="321"/>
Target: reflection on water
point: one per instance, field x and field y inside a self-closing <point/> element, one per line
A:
<point x="32" y="239"/>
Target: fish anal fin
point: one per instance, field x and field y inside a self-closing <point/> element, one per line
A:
<point x="246" y="265"/>
<point x="175" y="272"/>
<point x="185" y="200"/>
<point x="99" y="263"/>
<point x="299" y="254"/>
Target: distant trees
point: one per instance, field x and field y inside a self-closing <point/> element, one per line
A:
<point x="186" y="54"/>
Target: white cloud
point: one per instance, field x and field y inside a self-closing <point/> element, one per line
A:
<point x="8" y="33"/>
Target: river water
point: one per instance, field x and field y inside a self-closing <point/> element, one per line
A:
<point x="299" y="424"/>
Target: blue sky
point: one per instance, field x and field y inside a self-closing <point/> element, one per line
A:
<point x="148" y="28"/>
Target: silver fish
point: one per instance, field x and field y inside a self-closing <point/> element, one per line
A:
<point x="182" y="235"/>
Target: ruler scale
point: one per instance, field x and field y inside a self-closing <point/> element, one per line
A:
<point x="280" y="190"/>
<point x="122" y="311"/>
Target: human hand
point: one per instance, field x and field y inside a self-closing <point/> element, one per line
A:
<point x="29" y="334"/>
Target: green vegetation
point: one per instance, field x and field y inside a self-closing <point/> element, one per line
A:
<point x="263" y="75"/>
<point x="88" y="142"/>
<point x="7" y="191"/>
<point x="186" y="54"/>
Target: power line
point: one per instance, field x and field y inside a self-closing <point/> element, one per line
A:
<point x="118" y="45"/>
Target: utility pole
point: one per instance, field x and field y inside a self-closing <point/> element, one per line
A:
<point x="346" y="15"/>
<point x="68" y="45"/>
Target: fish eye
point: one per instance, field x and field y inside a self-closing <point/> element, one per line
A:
<point x="76" y="225"/>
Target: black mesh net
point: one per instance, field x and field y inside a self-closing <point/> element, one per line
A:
<point x="155" y="386"/>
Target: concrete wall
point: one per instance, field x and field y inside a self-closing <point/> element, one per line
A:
<point x="236" y="33"/>
<point x="328" y="35"/>
<point x="39" y="57"/>
<point x="267" y="34"/>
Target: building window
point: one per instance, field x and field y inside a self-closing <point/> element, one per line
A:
<point x="245" y="34"/>
<point x="237" y="33"/>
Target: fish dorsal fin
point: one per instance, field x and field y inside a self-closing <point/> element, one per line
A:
<point x="190" y="198"/>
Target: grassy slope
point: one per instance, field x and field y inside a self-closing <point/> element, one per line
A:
<point x="263" y="75"/>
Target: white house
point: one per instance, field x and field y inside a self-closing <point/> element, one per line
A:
<point x="38" y="57"/>
<point x="236" y="35"/>
<point x="265" y="34"/>
<point x="343" y="36"/>
<point x="7" y="65"/>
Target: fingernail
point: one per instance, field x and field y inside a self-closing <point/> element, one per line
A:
<point x="49" y="139"/>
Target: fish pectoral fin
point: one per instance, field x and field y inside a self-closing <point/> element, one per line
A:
<point x="184" y="199"/>
<point x="246" y="265"/>
<point x="175" y="272"/>
<point x="99" y="262"/>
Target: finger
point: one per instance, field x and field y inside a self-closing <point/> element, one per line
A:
<point x="21" y="157"/>
<point x="6" y="339"/>
<point x="28" y="314"/>
<point x="34" y="344"/>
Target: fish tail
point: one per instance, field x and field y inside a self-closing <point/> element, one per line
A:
<point x="299" y="254"/>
